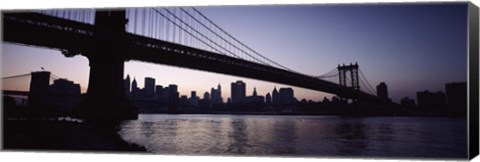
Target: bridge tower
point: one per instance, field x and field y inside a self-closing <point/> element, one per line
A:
<point x="106" y="97"/>
<point x="342" y="76"/>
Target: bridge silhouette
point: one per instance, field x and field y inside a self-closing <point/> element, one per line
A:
<point x="181" y="37"/>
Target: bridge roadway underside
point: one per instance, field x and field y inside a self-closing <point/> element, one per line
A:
<point x="50" y="32"/>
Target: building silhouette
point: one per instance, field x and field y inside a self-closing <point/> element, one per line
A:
<point x="286" y="96"/>
<point x="206" y="96"/>
<point x="407" y="103"/>
<point x="382" y="91"/>
<point x="149" y="88"/>
<point x="254" y="98"/>
<point x="268" y="98"/>
<point x="135" y="89"/>
<point x="39" y="89"/>
<point x="238" y="91"/>
<point x="430" y="100"/>
<point x="64" y="94"/>
<point x="194" y="99"/>
<point x="127" y="86"/>
<point x="456" y="96"/>
<point x="158" y="90"/>
<point x="275" y="96"/>
<point x="216" y="95"/>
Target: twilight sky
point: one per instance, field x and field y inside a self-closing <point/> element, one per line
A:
<point x="410" y="47"/>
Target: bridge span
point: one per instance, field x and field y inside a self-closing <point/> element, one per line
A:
<point x="107" y="46"/>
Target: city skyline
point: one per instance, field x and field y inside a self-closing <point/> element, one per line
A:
<point x="205" y="80"/>
<point x="421" y="58"/>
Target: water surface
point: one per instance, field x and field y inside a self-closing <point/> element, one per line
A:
<point x="258" y="135"/>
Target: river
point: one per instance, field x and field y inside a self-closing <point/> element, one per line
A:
<point x="304" y="136"/>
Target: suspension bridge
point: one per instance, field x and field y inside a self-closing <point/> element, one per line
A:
<point x="182" y="37"/>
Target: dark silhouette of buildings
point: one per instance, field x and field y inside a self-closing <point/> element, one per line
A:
<point x="206" y="96"/>
<point x="275" y="96"/>
<point x="194" y="99"/>
<point x="216" y="95"/>
<point x="149" y="88"/>
<point x="456" y="96"/>
<point x="382" y="91"/>
<point x="286" y="96"/>
<point x="64" y="94"/>
<point x="254" y="98"/>
<point x="407" y="103"/>
<point x="39" y="89"/>
<point x="158" y="90"/>
<point x="238" y="91"/>
<point x="430" y="100"/>
<point x="135" y="89"/>
<point x="127" y="86"/>
<point x="268" y="98"/>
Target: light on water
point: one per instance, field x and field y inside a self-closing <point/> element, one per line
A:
<point x="258" y="135"/>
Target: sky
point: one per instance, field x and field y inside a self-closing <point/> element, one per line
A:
<point x="410" y="47"/>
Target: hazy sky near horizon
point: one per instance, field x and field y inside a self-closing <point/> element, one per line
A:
<point x="410" y="47"/>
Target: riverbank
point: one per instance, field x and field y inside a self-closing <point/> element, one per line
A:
<point x="56" y="135"/>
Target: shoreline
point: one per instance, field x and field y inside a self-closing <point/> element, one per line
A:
<point x="47" y="135"/>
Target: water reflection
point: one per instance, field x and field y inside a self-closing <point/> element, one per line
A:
<point x="239" y="137"/>
<point x="352" y="136"/>
<point x="297" y="135"/>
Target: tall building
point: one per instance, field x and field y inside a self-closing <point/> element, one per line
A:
<point x="286" y="96"/>
<point x="193" y="98"/>
<point x="430" y="100"/>
<point x="238" y="91"/>
<point x="158" y="90"/>
<point x="126" y="84"/>
<point x="206" y="96"/>
<point x="173" y="93"/>
<point x="63" y="94"/>
<point x="456" y="95"/>
<point x="268" y="98"/>
<point x="275" y="96"/>
<point x="39" y="88"/>
<point x="382" y="91"/>
<point x="135" y="89"/>
<point x="149" y="87"/>
<point x="173" y="90"/>
<point x="216" y="95"/>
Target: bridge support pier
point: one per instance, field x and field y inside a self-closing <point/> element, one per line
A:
<point x="105" y="99"/>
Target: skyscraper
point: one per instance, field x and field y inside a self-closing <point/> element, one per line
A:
<point x="62" y="89"/>
<point x="39" y="86"/>
<point x="149" y="87"/>
<point x="216" y="95"/>
<point x="193" y="98"/>
<point x="286" y="96"/>
<point x="127" y="85"/>
<point x="382" y="91"/>
<point x="158" y="90"/>
<point x="268" y="98"/>
<point x="135" y="90"/>
<point x="275" y="96"/>
<point x="238" y="91"/>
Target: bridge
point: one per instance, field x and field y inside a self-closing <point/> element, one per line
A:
<point x="181" y="37"/>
